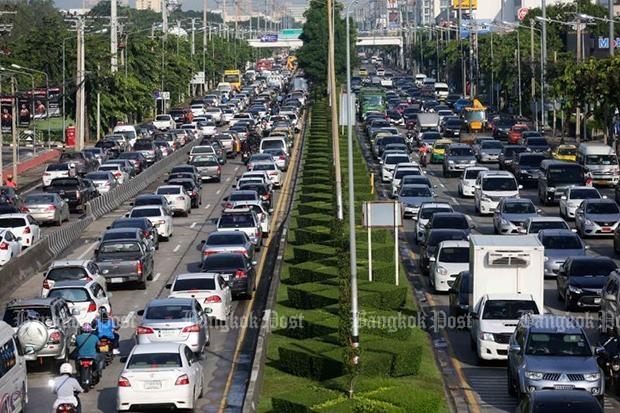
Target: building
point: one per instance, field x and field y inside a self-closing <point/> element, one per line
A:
<point x="154" y="5"/>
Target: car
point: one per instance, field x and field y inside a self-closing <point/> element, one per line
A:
<point x="68" y="270"/>
<point x="104" y="181"/>
<point x="488" y="151"/>
<point x="491" y="187"/>
<point x="178" y="199"/>
<point x="240" y="196"/>
<point x="126" y="260"/>
<point x="79" y="162"/>
<point x="468" y="180"/>
<point x="511" y="213"/>
<point x="164" y="122"/>
<point x="191" y="188"/>
<point x="208" y="167"/>
<point x="565" y="153"/>
<point x="84" y="295"/>
<point x="506" y="157"/>
<point x="57" y="170"/>
<point x="23" y="226"/>
<point x="438" y="150"/>
<point x="280" y="157"/>
<point x="160" y="375"/>
<point x="264" y="193"/>
<point x="560" y="244"/>
<point x="412" y="196"/>
<point x="552" y="352"/>
<point x="401" y="170"/>
<point x="597" y="217"/>
<point x="46" y="208"/>
<point x="261" y="213"/>
<point x="152" y="199"/>
<point x="425" y="212"/>
<point x="174" y="320"/>
<point x="241" y="220"/>
<point x="227" y="241"/>
<point x="77" y="192"/>
<point x="211" y="291"/>
<point x="451" y="258"/>
<point x="428" y="247"/>
<point x="137" y="159"/>
<point x="45" y="327"/>
<point x="556" y="177"/>
<point x="536" y="144"/>
<point x="10" y="246"/>
<point x="458" y="157"/>
<point x="143" y="224"/>
<point x="273" y="172"/>
<point x="580" y="281"/>
<point x="526" y="167"/>
<point x="237" y="270"/>
<point x="534" y="225"/>
<point x="547" y="401"/>
<point x="451" y="128"/>
<point x="120" y="173"/>
<point x="514" y="134"/>
<point x="126" y="166"/>
<point x="159" y="217"/>
<point x="574" y="197"/>
<point x="460" y="289"/>
<point x="389" y="162"/>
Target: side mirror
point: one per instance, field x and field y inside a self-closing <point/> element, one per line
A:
<point x="604" y="196"/>
<point x="539" y="211"/>
<point x="610" y="297"/>
<point x="514" y="348"/>
<point x="520" y="186"/>
<point x="587" y="247"/>
<point x="168" y="286"/>
<point x="126" y="215"/>
<point x="140" y="312"/>
<point x="131" y="204"/>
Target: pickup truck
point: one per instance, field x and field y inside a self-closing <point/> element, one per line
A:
<point x="122" y="261"/>
<point x="79" y="161"/>
<point x="74" y="190"/>
<point x="164" y="122"/>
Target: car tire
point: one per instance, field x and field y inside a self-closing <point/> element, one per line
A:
<point x="511" y="385"/>
<point x="141" y="285"/>
<point x="150" y="277"/>
<point x="568" y="306"/>
<point x="59" y="222"/>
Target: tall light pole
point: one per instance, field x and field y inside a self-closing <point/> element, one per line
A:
<point x="334" y="110"/>
<point x="47" y="96"/>
<point x="610" y="20"/>
<point x="113" y="38"/>
<point x="14" y="140"/>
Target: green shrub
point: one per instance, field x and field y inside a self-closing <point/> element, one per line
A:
<point x="311" y="295"/>
<point x="314" y="219"/>
<point x="315" y="207"/>
<point x="380" y="251"/>
<point x="375" y="406"/>
<point x="303" y="401"/>
<point x="310" y="324"/>
<point x="313" y="271"/>
<point x="382" y="295"/>
<point x="312" y="252"/>
<point x="315" y="196"/>
<point x="310" y="358"/>
<point x="319" y="234"/>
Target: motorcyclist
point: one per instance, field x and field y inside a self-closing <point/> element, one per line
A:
<point x="423" y="150"/>
<point x="106" y="328"/>
<point x="10" y="182"/>
<point x="65" y="387"/>
<point x="86" y="346"/>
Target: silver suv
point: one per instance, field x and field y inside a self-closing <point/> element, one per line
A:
<point x="552" y="352"/>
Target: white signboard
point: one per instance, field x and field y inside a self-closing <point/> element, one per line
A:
<point x="344" y="121"/>
<point x="381" y="214"/>
<point x="198" y="78"/>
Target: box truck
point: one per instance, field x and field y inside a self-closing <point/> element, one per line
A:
<point x="507" y="282"/>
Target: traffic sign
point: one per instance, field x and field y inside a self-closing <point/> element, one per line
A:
<point x="522" y="12"/>
<point x="158" y="95"/>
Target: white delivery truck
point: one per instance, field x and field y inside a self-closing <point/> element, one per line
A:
<point x="507" y="282"/>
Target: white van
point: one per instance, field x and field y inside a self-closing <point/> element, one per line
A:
<point x="441" y="91"/>
<point x="419" y="79"/>
<point x="600" y="161"/>
<point x="13" y="379"/>
<point x="491" y="187"/>
<point x="274" y="143"/>
<point x="128" y="131"/>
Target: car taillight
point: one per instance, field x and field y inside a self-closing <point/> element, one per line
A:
<point x="194" y="328"/>
<point x="182" y="380"/>
<point x="27" y="230"/>
<point x="123" y="382"/>
<point x="55" y="337"/>
<point x="144" y="330"/>
<point x="219" y="169"/>
<point x="228" y="205"/>
<point x="282" y="158"/>
<point x="4" y="246"/>
<point x="46" y="284"/>
<point x="24" y="209"/>
<point x="92" y="307"/>
<point x="117" y="174"/>
<point x="139" y="268"/>
<point x="47" y="174"/>
<point x="241" y="274"/>
<point x="64" y="407"/>
<point x="86" y="363"/>
<point x="213" y="299"/>
<point x="51" y="208"/>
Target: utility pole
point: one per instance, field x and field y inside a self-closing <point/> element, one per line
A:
<point x="533" y="79"/>
<point x="578" y="109"/>
<point x="164" y="18"/>
<point x="99" y="109"/>
<point x="519" y="71"/>
<point x="192" y="49"/>
<point x="80" y="100"/>
<point x="14" y="126"/>
<point x="471" y="52"/>
<point x="113" y="38"/>
<point x="204" y="43"/>
<point x="612" y="34"/>
<point x="334" y="110"/>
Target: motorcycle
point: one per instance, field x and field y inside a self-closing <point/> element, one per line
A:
<point x="104" y="346"/>
<point x="609" y="361"/>
<point x="245" y="157"/>
<point x="88" y="376"/>
<point x="66" y="408"/>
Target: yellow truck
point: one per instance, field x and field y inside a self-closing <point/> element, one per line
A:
<point x="475" y="117"/>
<point x="233" y="76"/>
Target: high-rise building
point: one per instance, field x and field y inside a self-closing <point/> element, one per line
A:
<point x="154" y="5"/>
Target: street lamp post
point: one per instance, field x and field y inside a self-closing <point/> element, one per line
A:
<point x="47" y="98"/>
<point x="610" y="20"/>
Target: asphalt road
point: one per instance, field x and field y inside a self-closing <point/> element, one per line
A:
<point x="488" y="381"/>
<point x="178" y="255"/>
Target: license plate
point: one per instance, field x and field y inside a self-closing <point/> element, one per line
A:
<point x="116" y="280"/>
<point x="606" y="229"/>
<point x="226" y="276"/>
<point x="168" y="333"/>
<point x="104" y="349"/>
<point x="563" y="387"/>
<point x="152" y="385"/>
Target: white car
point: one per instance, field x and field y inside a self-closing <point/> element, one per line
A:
<point x="491" y="187"/>
<point x="198" y="109"/>
<point x="424" y="215"/>
<point x="261" y="213"/>
<point x="57" y="170"/>
<point x="401" y="170"/>
<point x="164" y="122"/>
<point x="87" y="296"/>
<point x="202" y="150"/>
<point x="227" y="115"/>
<point x="257" y="174"/>
<point x="104" y="181"/>
<point x="10" y="246"/>
<point x="208" y="128"/>
<point x="452" y="257"/>
<point x="273" y="172"/>
<point x="574" y="197"/>
<point x="158" y="216"/>
<point x="117" y="170"/>
<point x="178" y="199"/>
<point x="160" y="374"/>
<point x="389" y="162"/>
<point x="66" y="270"/>
<point x="468" y="180"/>
<point x="215" y="113"/>
<point x="22" y="225"/>
<point x="210" y="290"/>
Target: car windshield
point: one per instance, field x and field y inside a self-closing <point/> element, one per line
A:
<point x="499" y="184"/>
<point x="537" y="142"/>
<point x="453" y="222"/>
<point x="110" y="167"/>
<point x="202" y="149"/>
<point x="589" y="267"/>
<point x="602" y="208"/>
<point x="454" y="255"/>
<point x="205" y="162"/>
<point x="119" y="248"/>
<point x="427" y="213"/>
<point x="146" y="212"/>
<point x="272" y="144"/>
<point x="416" y="179"/>
<point x="236" y="221"/>
<point x="73" y="295"/>
<point x="98" y="176"/>
<point x="415" y="192"/>
<point x="472" y="173"/>
<point x="149" y="361"/>
<point x="393" y="160"/>
<point x="509" y="152"/>
<point x="531" y="160"/>
<point x="226" y="239"/>
<point x="561" y="242"/>
<point x="508" y="309"/>
<point x="168" y="312"/>
<point x="453" y="123"/>
<point x="566" y="174"/>
<point x="538" y="226"/>
<point x="151" y="200"/>
<point x="264" y="167"/>
<point x="601" y="160"/>
<point x="584" y="194"/>
<point x="567" y="151"/>
<point x="558" y="344"/>
<point x="17" y="316"/>
<point x="162" y="117"/>
<point x="66" y="273"/>
<point x="57" y="167"/>
<point x="491" y="145"/>
<point x="223" y="262"/>
<point x="189" y="284"/>
<point x="168" y="190"/>
<point x="39" y="199"/>
<point x="438" y="236"/>
<point x="519" y="208"/>
<point x="12" y="222"/>
<point x="462" y="151"/>
<point x="142" y="145"/>
<point x="242" y="196"/>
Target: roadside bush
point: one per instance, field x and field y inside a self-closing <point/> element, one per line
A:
<point x="310" y="324"/>
<point x="312" y="252"/>
<point x="314" y="219"/>
<point x="304" y="401"/>
<point x="313" y="271"/>
<point x="319" y="234"/>
<point x="311" y="295"/>
<point x="311" y="358"/>
<point x="315" y="207"/>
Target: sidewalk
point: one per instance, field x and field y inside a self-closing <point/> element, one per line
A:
<point x="30" y="171"/>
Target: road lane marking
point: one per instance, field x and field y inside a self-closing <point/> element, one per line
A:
<point x="218" y="191"/>
<point x="193" y="225"/>
<point x="128" y="318"/>
<point x="156" y="277"/>
<point x="207" y="206"/>
<point x="89" y="249"/>
<point x="228" y="179"/>
<point x="177" y="248"/>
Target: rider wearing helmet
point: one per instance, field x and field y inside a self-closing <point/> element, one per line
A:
<point x="65" y="387"/>
<point x="10" y="182"/>
<point x="106" y="328"/>
<point x="86" y="347"/>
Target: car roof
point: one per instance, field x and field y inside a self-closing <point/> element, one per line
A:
<point x="71" y="283"/>
<point x="517" y="200"/>
<point x="454" y="244"/>
<point x="157" y="348"/>
<point x="552" y="323"/>
<point x="196" y="275"/>
<point x="15" y="215"/>
<point x="449" y="214"/>
<point x="69" y="263"/>
<point x="546" y="219"/>
<point x="122" y="230"/>
<point x="29" y="302"/>
<point x="556" y="232"/>
<point x="599" y="201"/>
<point x="459" y="145"/>
<point x="172" y="301"/>
<point x="435" y="205"/>
<point x="415" y="186"/>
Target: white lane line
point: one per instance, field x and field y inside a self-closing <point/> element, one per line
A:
<point x="193" y="225"/>
<point x="228" y="179"/>
<point x="128" y="318"/>
<point x="177" y="248"/>
<point x="218" y="191"/>
<point x="237" y="168"/>
<point x="89" y="249"/>
<point x="156" y="277"/>
<point x="208" y="206"/>
<point x="454" y="200"/>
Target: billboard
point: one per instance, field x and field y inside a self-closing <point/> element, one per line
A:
<point x="392" y="4"/>
<point x="269" y="38"/>
<point x="464" y="4"/>
<point x="393" y="20"/>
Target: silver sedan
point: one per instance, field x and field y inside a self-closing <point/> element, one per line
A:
<point x="46" y="207"/>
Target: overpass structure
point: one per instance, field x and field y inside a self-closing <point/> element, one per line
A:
<point x="280" y="43"/>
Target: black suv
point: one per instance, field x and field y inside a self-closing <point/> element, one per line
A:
<point x="556" y="177"/>
<point x="580" y="281"/>
<point x="526" y="166"/>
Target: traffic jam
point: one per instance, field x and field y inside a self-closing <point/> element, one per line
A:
<point x="145" y="310"/>
<point x="511" y="232"/>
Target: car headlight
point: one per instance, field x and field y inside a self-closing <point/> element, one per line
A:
<point x="574" y="289"/>
<point x="472" y="161"/>
<point x="534" y="375"/>
<point x="485" y="199"/>
<point x="588" y="222"/>
<point x="442" y="271"/>
<point x="486" y="336"/>
<point x="451" y="162"/>
<point x="592" y="376"/>
<point x="504" y="222"/>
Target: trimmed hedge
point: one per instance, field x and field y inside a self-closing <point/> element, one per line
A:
<point x="311" y="358"/>
<point x="315" y="207"/>
<point x="314" y="219"/>
<point x="311" y="295"/>
<point x="319" y="234"/>
<point x="310" y="324"/>
<point x="304" y="402"/>
<point x="313" y="271"/>
<point x="312" y="252"/>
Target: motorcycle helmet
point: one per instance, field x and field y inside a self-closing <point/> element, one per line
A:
<point x="103" y="313"/>
<point x="66" y="368"/>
